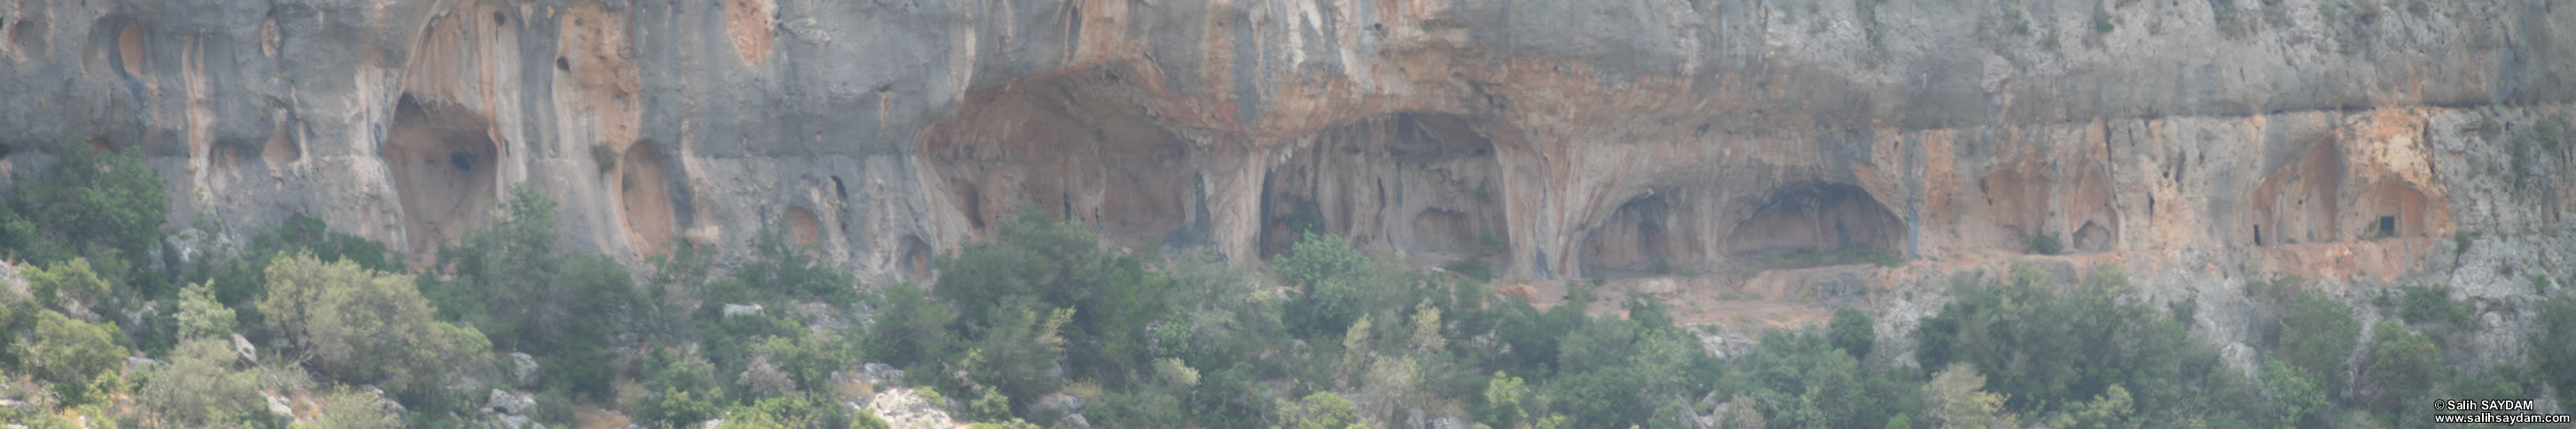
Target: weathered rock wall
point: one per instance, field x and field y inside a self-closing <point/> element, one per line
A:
<point x="1589" y="138"/>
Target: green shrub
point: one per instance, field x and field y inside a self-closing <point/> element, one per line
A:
<point x="363" y="326"/>
<point x="355" y="409"/>
<point x="66" y="286"/>
<point x="2500" y="382"/>
<point x="1321" y="410"/>
<point x="68" y="353"/>
<point x="2401" y="365"/>
<point x="513" y="281"/>
<point x="107" y="201"/>
<point x="2293" y="396"/>
<point x="1305" y="219"/>
<point x="2317" y="333"/>
<point x="200" y="316"/>
<point x="2043" y="243"/>
<point x="604" y="156"/>
<point x="2553" y="350"/>
<point x="199" y="384"/>
<point x="1472" y="268"/>
<point x="2077" y="343"/>
<point x="1852" y="332"/>
<point x="2431" y="303"/>
<point x="911" y="327"/>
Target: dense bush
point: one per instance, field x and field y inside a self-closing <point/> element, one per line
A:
<point x="2429" y="303"/>
<point x="200" y="387"/>
<point x="2399" y="369"/>
<point x="69" y="354"/>
<point x="90" y="203"/>
<point x="513" y="282"/>
<point x="1852" y="332"/>
<point x="2553" y="350"/>
<point x="2078" y="344"/>
<point x="2042" y="243"/>
<point x="2317" y="334"/>
<point x="365" y="326"/>
<point x="1039" y="265"/>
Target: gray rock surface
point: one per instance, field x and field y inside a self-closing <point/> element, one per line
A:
<point x="523" y="369"/>
<point x="881" y="374"/>
<point x="903" y="409"/>
<point x="731" y="310"/>
<point x="242" y="346"/>
<point x="509" y="403"/>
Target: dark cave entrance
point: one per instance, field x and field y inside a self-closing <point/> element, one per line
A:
<point x="443" y="160"/>
<point x="1647" y="236"/>
<point x="1816" y="224"/>
<point x="1425" y="184"/>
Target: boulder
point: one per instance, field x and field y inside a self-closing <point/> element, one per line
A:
<point x="523" y="369"/>
<point x="249" y="353"/>
<point x="881" y="374"/>
<point x="731" y="310"/>
<point x="1057" y="407"/>
<point x="277" y="407"/>
<point x="504" y="402"/>
<point x="1073" y="421"/>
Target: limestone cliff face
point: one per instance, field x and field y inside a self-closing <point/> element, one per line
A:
<point x="1554" y="139"/>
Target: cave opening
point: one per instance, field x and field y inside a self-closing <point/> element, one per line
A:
<point x="1442" y="230"/>
<point x="2402" y="210"/>
<point x="1424" y="184"/>
<point x="2281" y="199"/>
<point x="28" y="36"/>
<point x="1816" y="224"/>
<point x="433" y="150"/>
<point x="1074" y="145"/>
<point x="129" y="48"/>
<point x="916" y="257"/>
<point x="1640" y="238"/>
<point x="646" y="199"/>
<point x="808" y="230"/>
<point x="2093" y="237"/>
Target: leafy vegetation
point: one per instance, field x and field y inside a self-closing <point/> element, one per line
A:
<point x="364" y="326"/>
<point x="2554" y="347"/>
<point x="2042" y="243"/>
<point x="603" y="156"/>
<point x="2080" y="343"/>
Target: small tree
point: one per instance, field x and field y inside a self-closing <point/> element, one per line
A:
<point x="200" y="316"/>
<point x="69" y="287"/>
<point x="365" y="326"/>
<point x="604" y="156"/>
<point x="1956" y="398"/>
<point x="2401" y="364"/>
<point x="2316" y="336"/>
<point x="69" y="353"/>
<point x="1501" y="407"/>
<point x="2554" y="347"/>
<point x="200" y="384"/>
<point x="1321" y="410"/>
<point x="2292" y="394"/>
<point x="355" y="409"/>
<point x="1852" y="332"/>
